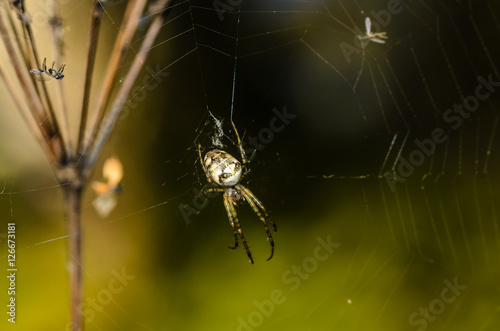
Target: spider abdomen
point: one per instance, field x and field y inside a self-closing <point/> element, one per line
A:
<point x="224" y="169"/>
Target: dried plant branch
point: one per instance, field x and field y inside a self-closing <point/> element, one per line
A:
<point x="124" y="91"/>
<point x="25" y="113"/>
<point x="58" y="37"/>
<point x="48" y="123"/>
<point x="73" y="198"/>
<point x="50" y="109"/>
<point x="17" y="38"/>
<point x="30" y="93"/>
<point x="73" y="169"/>
<point x="22" y="45"/>
<point x="95" y="21"/>
<point x="57" y="136"/>
<point x="127" y="31"/>
<point x="31" y="41"/>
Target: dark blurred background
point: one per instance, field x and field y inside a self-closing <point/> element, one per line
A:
<point x="422" y="255"/>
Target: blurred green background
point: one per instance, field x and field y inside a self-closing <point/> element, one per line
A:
<point x="396" y="252"/>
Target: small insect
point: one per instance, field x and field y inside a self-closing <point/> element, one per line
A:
<point x="48" y="73"/>
<point x="226" y="172"/>
<point x="377" y="37"/>
<point x="105" y="200"/>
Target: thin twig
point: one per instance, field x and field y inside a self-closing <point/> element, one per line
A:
<point x="17" y="38"/>
<point x="95" y="21"/>
<point x="25" y="113"/>
<point x="58" y="38"/>
<point x="73" y="198"/>
<point x="50" y="111"/>
<point x="23" y="47"/>
<point x="124" y="91"/>
<point x="127" y="31"/>
<point x="49" y="123"/>
<point x="31" y="96"/>
<point x="72" y="171"/>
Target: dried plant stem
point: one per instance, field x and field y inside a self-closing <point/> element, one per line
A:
<point x="132" y="15"/>
<point x="72" y="203"/>
<point x="74" y="167"/>
<point x="127" y="31"/>
<point x="25" y="114"/>
<point x="95" y="21"/>
<point x="16" y="35"/>
<point x="58" y="38"/>
<point x="34" y="102"/>
<point x="124" y="91"/>
<point x="48" y="119"/>
<point x="50" y="110"/>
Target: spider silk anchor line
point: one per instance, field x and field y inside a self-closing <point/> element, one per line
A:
<point x="264" y="137"/>
<point x="427" y="146"/>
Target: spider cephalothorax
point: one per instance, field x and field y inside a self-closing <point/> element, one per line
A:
<point x="225" y="171"/>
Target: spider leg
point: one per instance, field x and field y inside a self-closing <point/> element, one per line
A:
<point x="242" y="151"/>
<point x="212" y="189"/>
<point x="62" y="68"/>
<point x="259" y="203"/>
<point x="209" y="190"/>
<point x="44" y="64"/>
<point x="235" y="233"/>
<point x="53" y="64"/>
<point x="254" y="202"/>
<point x="235" y="224"/>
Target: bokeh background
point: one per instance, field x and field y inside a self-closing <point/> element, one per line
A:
<point x="148" y="266"/>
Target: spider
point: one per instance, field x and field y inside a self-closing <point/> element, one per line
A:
<point x="371" y="36"/>
<point x="49" y="73"/>
<point x="225" y="171"/>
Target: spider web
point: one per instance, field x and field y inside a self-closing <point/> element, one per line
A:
<point x="334" y="134"/>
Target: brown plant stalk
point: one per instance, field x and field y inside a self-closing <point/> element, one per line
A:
<point x="127" y="31"/>
<point x="73" y="166"/>
<point x="96" y="16"/>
